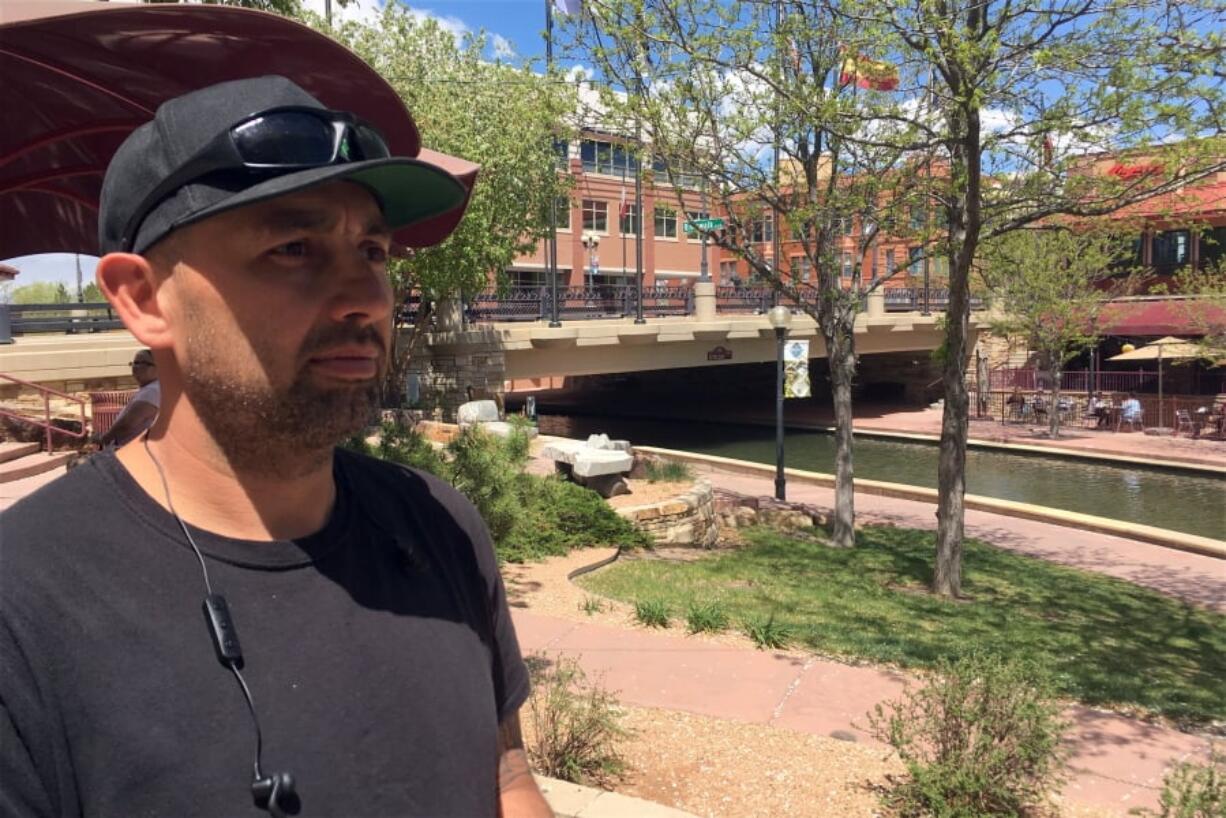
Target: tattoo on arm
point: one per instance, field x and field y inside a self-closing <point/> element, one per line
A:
<point x="512" y="759"/>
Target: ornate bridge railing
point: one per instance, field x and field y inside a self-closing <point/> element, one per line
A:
<point x="610" y="301"/>
<point x="619" y="301"/>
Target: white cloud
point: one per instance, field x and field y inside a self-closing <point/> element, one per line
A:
<point x="502" y="47"/>
<point x="457" y="27"/>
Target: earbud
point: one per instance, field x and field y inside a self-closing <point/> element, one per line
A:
<point x="276" y="794"/>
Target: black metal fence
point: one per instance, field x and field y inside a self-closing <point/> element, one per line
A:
<point x="609" y="301"/>
<point x="67" y="318"/>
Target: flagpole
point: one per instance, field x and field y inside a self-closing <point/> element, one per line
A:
<point x="928" y="198"/>
<point x="553" y="200"/>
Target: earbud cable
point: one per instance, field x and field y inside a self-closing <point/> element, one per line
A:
<point x="242" y="683"/>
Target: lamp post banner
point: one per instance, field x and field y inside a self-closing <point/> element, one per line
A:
<point x="796" y="369"/>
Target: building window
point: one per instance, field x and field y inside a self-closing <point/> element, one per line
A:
<point x="891" y="264"/>
<point x="1212" y="247"/>
<point x="610" y="158"/>
<point x="915" y="260"/>
<point x="1172" y="248"/>
<point x="802" y="269"/>
<point x="727" y="273"/>
<point x="666" y="222"/>
<point x="628" y="222"/>
<point x="845" y="225"/>
<point x="561" y="212"/>
<point x="846" y="264"/>
<point x="595" y="215"/>
<point x="683" y="175"/>
<point x="919" y="217"/>
<point x="762" y="230"/>
<point x="561" y="152"/>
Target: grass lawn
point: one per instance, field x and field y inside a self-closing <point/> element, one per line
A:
<point x="1105" y="640"/>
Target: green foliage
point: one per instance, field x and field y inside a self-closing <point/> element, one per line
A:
<point x="1193" y="790"/>
<point x="557" y="516"/>
<point x="591" y="605"/>
<point x="706" y="617"/>
<point x="651" y="612"/>
<point x="668" y="471"/>
<point x="40" y="292"/>
<point x="574" y="727"/>
<point x="982" y="737"/>
<point x="767" y="632"/>
<point x="488" y="471"/>
<point x="91" y="293"/>
<point x="529" y="517"/>
<point x="872" y="603"/>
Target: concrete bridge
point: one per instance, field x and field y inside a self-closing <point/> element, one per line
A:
<point x="485" y="359"/>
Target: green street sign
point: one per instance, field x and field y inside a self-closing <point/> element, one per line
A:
<point x="708" y="225"/>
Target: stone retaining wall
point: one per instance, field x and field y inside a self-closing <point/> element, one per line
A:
<point x="448" y="376"/>
<point x="687" y="519"/>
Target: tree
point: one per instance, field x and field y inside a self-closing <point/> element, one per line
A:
<point x="40" y="292"/>
<point x="1076" y="107"/>
<point x="90" y="294"/>
<point x="1053" y="281"/>
<point x="506" y="119"/>
<point x="745" y="98"/>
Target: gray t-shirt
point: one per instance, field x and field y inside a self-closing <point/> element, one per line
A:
<point x="379" y="651"/>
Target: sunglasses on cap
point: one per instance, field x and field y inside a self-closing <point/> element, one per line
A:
<point x="274" y="142"/>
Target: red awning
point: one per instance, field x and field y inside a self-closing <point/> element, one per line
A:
<point x="80" y="75"/>
<point x="1160" y="317"/>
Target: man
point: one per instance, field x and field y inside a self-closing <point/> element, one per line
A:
<point x="353" y="605"/>
<point x="1131" y="410"/>
<point x="141" y="410"/>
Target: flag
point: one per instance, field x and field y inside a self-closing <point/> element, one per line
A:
<point x="624" y="210"/>
<point x="866" y="73"/>
<point x="569" y="7"/>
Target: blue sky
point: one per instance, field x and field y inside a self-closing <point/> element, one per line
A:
<point x="518" y="24"/>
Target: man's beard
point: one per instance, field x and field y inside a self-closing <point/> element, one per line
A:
<point x="265" y="430"/>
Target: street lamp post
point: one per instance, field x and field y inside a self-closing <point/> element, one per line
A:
<point x="780" y="318"/>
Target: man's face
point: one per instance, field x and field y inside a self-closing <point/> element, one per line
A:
<point x="281" y="317"/>
<point x="143" y="368"/>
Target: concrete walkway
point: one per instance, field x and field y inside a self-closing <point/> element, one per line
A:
<point x="1117" y="762"/>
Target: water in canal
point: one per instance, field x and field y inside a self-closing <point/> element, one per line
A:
<point x="1165" y="499"/>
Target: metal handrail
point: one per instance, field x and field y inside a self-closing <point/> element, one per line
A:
<point x="46" y="423"/>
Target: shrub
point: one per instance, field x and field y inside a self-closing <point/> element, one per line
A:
<point x="555" y="516"/>
<point x="1193" y="790"/>
<point x="981" y="738"/>
<point x="591" y="605"/>
<point x="668" y="471"/>
<point x="574" y="726"/>
<point x="706" y="616"/>
<point x="485" y="469"/>
<point x="528" y="516"/>
<point x="651" y="612"/>
<point x="768" y="634"/>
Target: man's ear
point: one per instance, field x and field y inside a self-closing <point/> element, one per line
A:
<point x="131" y="284"/>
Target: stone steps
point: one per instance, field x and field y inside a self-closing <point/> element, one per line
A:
<point x="29" y="465"/>
<point x="11" y="450"/>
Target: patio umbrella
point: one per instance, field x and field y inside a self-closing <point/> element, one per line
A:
<point x="1169" y="348"/>
<point x="76" y="77"/>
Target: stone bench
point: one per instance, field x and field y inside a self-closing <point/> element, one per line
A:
<point x="597" y="463"/>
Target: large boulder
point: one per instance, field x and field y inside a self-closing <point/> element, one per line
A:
<point x="587" y="462"/>
<point x="477" y="411"/>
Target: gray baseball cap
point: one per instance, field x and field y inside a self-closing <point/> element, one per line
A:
<point x="138" y="209"/>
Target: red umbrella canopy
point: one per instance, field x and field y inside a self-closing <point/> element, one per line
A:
<point x="80" y="75"/>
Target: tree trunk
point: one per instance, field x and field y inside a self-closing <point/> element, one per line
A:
<point x="965" y="222"/>
<point x="841" y="357"/>
<point x="401" y="352"/>
<point x="1053" y="411"/>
